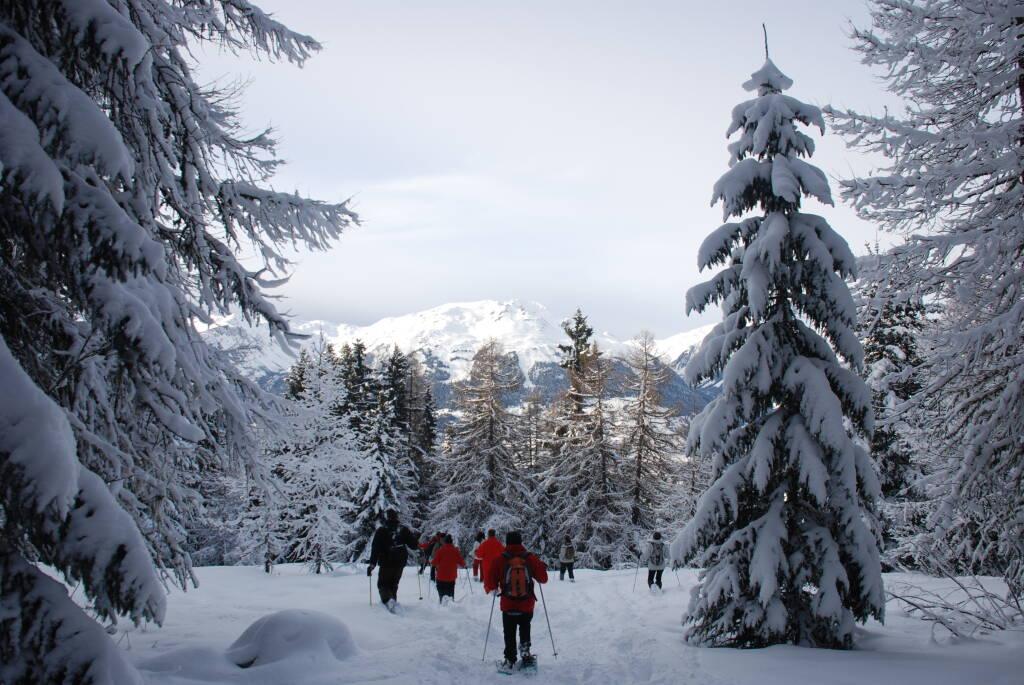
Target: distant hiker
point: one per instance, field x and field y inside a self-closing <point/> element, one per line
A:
<point x="513" y="574"/>
<point x="489" y="550"/>
<point x="447" y="560"/>
<point x="427" y="550"/>
<point x="390" y="550"/>
<point x="655" y="554"/>
<point x="477" y="560"/>
<point x="567" y="559"/>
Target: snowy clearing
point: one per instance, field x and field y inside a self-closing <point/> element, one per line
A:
<point x="604" y="633"/>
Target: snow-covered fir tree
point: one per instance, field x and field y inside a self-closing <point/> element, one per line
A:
<point x="786" y="533"/>
<point x="480" y="484"/>
<point x="150" y="187"/>
<point x="319" y="460"/>
<point x="953" y="185"/>
<point x="583" y="480"/>
<point x="650" y="445"/>
<point x="386" y="480"/>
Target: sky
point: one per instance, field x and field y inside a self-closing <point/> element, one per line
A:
<point x="561" y="152"/>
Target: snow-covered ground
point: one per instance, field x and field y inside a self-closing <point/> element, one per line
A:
<point x="605" y="633"/>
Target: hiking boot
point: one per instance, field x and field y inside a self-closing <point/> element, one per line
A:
<point x="507" y="666"/>
<point x="391" y="605"/>
<point x="524" y="651"/>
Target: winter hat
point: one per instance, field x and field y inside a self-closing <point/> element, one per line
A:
<point x="392" y="516"/>
<point x="513" y="537"/>
<point x="491" y="533"/>
<point x="448" y="539"/>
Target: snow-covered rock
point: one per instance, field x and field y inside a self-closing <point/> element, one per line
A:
<point x="291" y="633"/>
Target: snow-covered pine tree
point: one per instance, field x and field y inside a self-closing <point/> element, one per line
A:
<point x="650" y="445"/>
<point x="319" y="461"/>
<point x="890" y="327"/>
<point x="387" y="478"/>
<point x="480" y="485"/>
<point x="361" y="387"/>
<point x="954" y="185"/>
<point x="786" y="534"/>
<point x="127" y="191"/>
<point x="583" y="482"/>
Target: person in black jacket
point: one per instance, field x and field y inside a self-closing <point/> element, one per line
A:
<point x="390" y="550"/>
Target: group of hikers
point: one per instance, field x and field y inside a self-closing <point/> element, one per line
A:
<point x="508" y="569"/>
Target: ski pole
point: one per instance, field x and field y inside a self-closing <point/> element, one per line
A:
<point x="488" y="635"/>
<point x="369" y="581"/>
<point x="637" y="574"/>
<point x="469" y="581"/>
<point x="419" y="586"/>
<point x="547" y="618"/>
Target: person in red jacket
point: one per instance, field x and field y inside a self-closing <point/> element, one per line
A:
<point x="489" y="550"/>
<point x="447" y="560"/>
<point x="513" y="574"/>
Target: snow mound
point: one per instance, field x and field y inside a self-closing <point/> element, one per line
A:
<point x="289" y="633"/>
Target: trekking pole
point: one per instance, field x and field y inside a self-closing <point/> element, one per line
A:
<point x="369" y="581"/>
<point x="488" y="635"/>
<point x="419" y="586"/>
<point x="469" y="581"/>
<point x="637" y="574"/>
<point x="547" y="618"/>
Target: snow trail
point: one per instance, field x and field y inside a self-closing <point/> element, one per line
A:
<point x="605" y="634"/>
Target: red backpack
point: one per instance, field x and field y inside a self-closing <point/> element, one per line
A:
<point x="518" y="583"/>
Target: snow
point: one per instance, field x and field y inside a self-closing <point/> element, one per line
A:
<point x="289" y="634"/>
<point x="605" y="633"/>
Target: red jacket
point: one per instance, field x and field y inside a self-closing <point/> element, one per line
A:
<point x="489" y="550"/>
<point x="538" y="571"/>
<point x="448" y="560"/>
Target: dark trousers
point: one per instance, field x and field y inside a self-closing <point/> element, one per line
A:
<point x="654" y="576"/>
<point x="566" y="566"/>
<point x="509" y="622"/>
<point x="388" y="578"/>
<point x="445" y="589"/>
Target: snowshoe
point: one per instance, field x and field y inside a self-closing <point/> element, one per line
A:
<point x="392" y="606"/>
<point x="527" y="665"/>
<point x="505" y="667"/>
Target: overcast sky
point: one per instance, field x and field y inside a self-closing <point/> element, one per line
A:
<point x="562" y="152"/>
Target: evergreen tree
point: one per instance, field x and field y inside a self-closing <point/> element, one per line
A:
<point x="890" y="328"/>
<point x="319" y="460"/>
<point x="296" y="375"/>
<point x="480" y="483"/>
<point x="953" y="186"/>
<point x="360" y="386"/>
<point x="573" y="354"/>
<point x="386" y="480"/>
<point x="650" y="443"/>
<point x="786" y="534"/>
<point x="583" y="482"/>
<point x="128" y="190"/>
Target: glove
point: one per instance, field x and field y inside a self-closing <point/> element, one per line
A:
<point x="369" y="571"/>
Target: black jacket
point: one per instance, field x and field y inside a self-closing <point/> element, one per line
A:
<point x="391" y="545"/>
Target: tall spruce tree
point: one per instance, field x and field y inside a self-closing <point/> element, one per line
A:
<point x="479" y="482"/>
<point x="786" y="534"/>
<point x="574" y="353"/>
<point x="128" y="192"/>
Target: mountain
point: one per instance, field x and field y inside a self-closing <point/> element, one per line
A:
<point x="446" y="337"/>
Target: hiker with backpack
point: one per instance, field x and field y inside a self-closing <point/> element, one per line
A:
<point x="513" y="574"/>
<point x="390" y="550"/>
<point x="478" y="571"/>
<point x="427" y="550"/>
<point x="447" y="561"/>
<point x="655" y="556"/>
<point x="489" y="550"/>
<point x="567" y="559"/>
